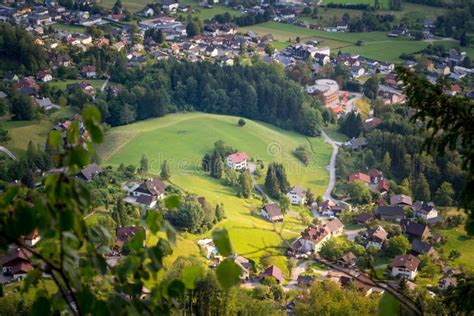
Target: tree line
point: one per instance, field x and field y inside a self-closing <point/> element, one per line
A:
<point x="261" y="92"/>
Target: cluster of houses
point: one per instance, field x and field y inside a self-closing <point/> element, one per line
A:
<point x="374" y="180"/>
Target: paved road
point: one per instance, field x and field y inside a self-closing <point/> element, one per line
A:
<point x="7" y="152"/>
<point x="331" y="167"/>
<point x="104" y="85"/>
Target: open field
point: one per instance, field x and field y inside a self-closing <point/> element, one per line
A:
<point x="96" y="83"/>
<point x="377" y="45"/>
<point x="183" y="139"/>
<point x="132" y="5"/>
<point x="69" y="28"/>
<point x="458" y="240"/>
<point x="383" y="3"/>
<point x="204" y="13"/>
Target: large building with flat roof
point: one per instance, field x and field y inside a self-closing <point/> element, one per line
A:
<point x="326" y="89"/>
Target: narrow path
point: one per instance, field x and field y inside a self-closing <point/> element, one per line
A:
<point x="331" y="167"/>
<point x="8" y="152"/>
<point x="104" y="85"/>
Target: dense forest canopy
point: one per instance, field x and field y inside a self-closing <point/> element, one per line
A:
<point x="261" y="92"/>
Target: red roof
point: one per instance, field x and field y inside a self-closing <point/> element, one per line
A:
<point x="383" y="185"/>
<point x="275" y="272"/>
<point x="88" y="68"/>
<point x="337" y="109"/>
<point x="238" y="157"/>
<point x="359" y="176"/>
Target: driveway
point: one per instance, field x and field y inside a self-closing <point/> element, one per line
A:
<point x="331" y="167"/>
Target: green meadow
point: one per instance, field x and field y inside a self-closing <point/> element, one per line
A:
<point x="183" y="139"/>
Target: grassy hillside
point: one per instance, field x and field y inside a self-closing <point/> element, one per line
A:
<point x="182" y="139"/>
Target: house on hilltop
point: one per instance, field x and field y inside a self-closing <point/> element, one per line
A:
<point x="237" y="161"/>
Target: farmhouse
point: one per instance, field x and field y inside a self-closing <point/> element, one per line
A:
<point x="420" y="248"/>
<point x="244" y="265"/>
<point x="363" y="284"/>
<point x="375" y="176"/>
<point x="348" y="260"/>
<point x="46" y="104"/>
<point x="365" y="218"/>
<point x="335" y="227"/>
<point x="272" y="212"/>
<point x="328" y="208"/>
<point x="297" y="195"/>
<point x="89" y="71"/>
<point x="405" y="266"/>
<point x="357" y="143"/>
<point x="44" y="75"/>
<point x="237" y="161"/>
<point x="147" y="193"/>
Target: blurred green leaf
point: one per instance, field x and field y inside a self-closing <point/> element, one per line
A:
<point x="32" y="278"/>
<point x="91" y="117"/>
<point x="78" y="157"/>
<point x="55" y="138"/>
<point x="153" y="219"/>
<point x="72" y="133"/>
<point x="221" y="239"/>
<point x="173" y="201"/>
<point x="176" y="288"/>
<point x="190" y="275"/>
<point x="228" y="273"/>
<point x="41" y="307"/>
<point x="136" y="243"/>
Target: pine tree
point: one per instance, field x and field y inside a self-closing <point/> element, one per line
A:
<point x="220" y="215"/>
<point x="271" y="182"/>
<point x="144" y="164"/>
<point x="444" y="195"/>
<point x="165" y="173"/>
<point x="405" y="187"/>
<point x="283" y="183"/>
<point x="206" y="163"/>
<point x="422" y="191"/>
<point x="219" y="169"/>
<point x="387" y="162"/>
<point x="245" y="184"/>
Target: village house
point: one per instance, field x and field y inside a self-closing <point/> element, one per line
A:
<point x="124" y="234"/>
<point x="16" y="264"/>
<point x="425" y="211"/>
<point x="297" y="195"/>
<point x="446" y="282"/>
<point x="147" y="193"/>
<point x="415" y="230"/>
<point x="90" y="172"/>
<point x="237" y="161"/>
<point x="273" y="272"/>
<point x="419" y="247"/>
<point x="371" y="123"/>
<point x="209" y="251"/>
<point x="365" y="218"/>
<point x="28" y="83"/>
<point x="357" y="143"/>
<point x="405" y="266"/>
<point x="44" y="75"/>
<point x="348" y="260"/>
<point x="376" y="237"/>
<point x="375" y="176"/>
<point x="244" y="265"/>
<point x="272" y="212"/>
<point x="46" y="104"/>
<point x="84" y="86"/>
<point x="32" y="239"/>
<point x="170" y="5"/>
<point x="330" y="209"/>
<point x="362" y="283"/>
<point x="89" y="71"/>
<point x="401" y="199"/>
<point x="304" y="280"/>
<point x="313" y="237"/>
<point x="390" y="213"/>
<point x="360" y="176"/>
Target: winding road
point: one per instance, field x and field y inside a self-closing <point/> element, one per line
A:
<point x="8" y="152"/>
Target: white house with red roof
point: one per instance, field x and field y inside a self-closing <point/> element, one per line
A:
<point x="237" y="161"/>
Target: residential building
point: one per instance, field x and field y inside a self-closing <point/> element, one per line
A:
<point x="371" y="123"/>
<point x="446" y="282"/>
<point x="405" y="266"/>
<point x="273" y="272"/>
<point x="419" y="247"/>
<point x="46" y="104"/>
<point x="376" y="237"/>
<point x="390" y="213"/>
<point x="401" y="199"/>
<point x="272" y="212"/>
<point x="90" y="172"/>
<point x="362" y="283"/>
<point x="365" y="218"/>
<point x="375" y="176"/>
<point x="33" y="238"/>
<point x="244" y="265"/>
<point x="415" y="230"/>
<point x="89" y="71"/>
<point x="357" y="143"/>
<point x="237" y="161"/>
<point x="124" y="234"/>
<point x="425" y="211"/>
<point x="335" y="227"/>
<point x="16" y="263"/>
<point x="149" y="192"/>
<point x="297" y="195"/>
<point x="44" y="75"/>
<point x="348" y="260"/>
<point x="360" y="176"/>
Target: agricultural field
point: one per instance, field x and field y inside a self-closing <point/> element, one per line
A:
<point x="207" y="14"/>
<point x="132" y="5"/>
<point x="383" y="3"/>
<point x="457" y="239"/>
<point x="183" y="139"/>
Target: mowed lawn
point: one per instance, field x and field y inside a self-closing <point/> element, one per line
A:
<point x="22" y="132"/>
<point x="207" y="13"/>
<point x="457" y="239"/>
<point x="383" y="3"/>
<point x="389" y="305"/>
<point x="132" y="5"/>
<point x="96" y="83"/>
<point x="183" y="139"/>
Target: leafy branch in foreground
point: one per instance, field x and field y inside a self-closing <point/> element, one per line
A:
<point x="450" y="122"/>
<point x="74" y="255"/>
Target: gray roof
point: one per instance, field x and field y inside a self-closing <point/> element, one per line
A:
<point x="272" y="210"/>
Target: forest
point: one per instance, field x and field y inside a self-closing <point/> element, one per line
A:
<point x="261" y="92"/>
